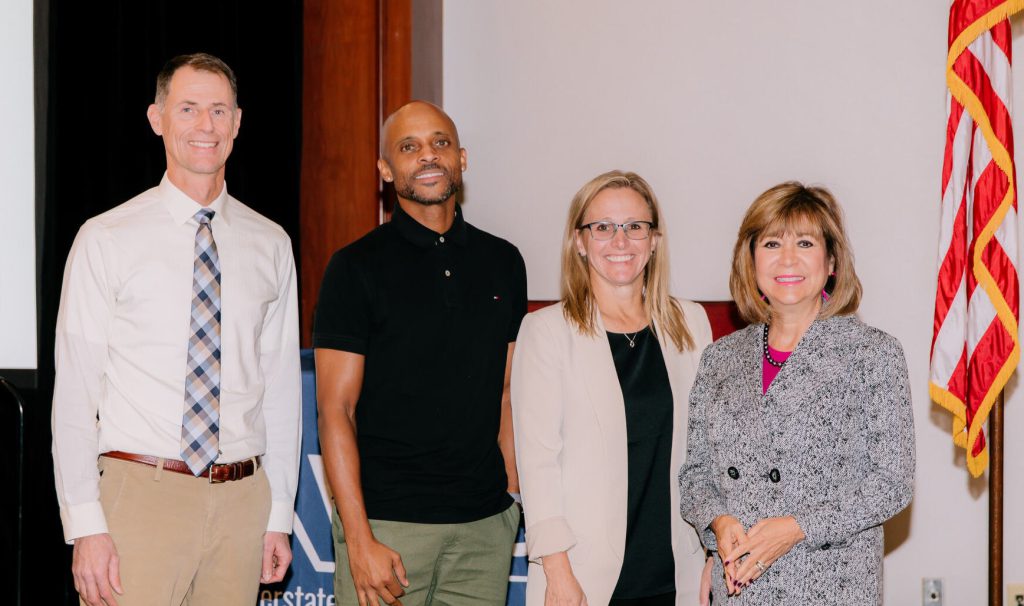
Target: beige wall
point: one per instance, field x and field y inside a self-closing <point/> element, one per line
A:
<point x="714" y="102"/>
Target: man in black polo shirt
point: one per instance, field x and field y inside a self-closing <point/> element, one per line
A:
<point x="414" y="332"/>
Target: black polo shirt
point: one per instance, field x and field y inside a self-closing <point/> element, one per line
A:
<point x="433" y="314"/>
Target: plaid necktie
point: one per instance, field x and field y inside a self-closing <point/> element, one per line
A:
<point x="201" y="422"/>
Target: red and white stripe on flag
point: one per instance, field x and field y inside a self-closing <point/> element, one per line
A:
<point x="975" y="346"/>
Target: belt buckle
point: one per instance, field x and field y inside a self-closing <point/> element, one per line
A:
<point x="232" y="471"/>
<point x="210" y="474"/>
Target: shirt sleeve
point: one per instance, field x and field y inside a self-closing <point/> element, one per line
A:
<point x="282" y="397"/>
<point x="342" y="317"/>
<point x="80" y="356"/>
<point x="700" y="500"/>
<point x="537" y="416"/>
<point x="518" y="299"/>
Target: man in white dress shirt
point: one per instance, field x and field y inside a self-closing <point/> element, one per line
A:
<point x="177" y="402"/>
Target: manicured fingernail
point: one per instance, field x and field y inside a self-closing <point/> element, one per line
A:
<point x="727" y="562"/>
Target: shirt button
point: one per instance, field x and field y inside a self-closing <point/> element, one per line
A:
<point x="774" y="476"/>
<point x="734" y="473"/>
<point x="447" y="274"/>
<point x="441" y="239"/>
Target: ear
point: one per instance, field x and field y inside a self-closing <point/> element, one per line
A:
<point x="832" y="265"/>
<point x="153" y="114"/>
<point x="655" y="238"/>
<point x="238" y="121"/>
<point x="580" y="247"/>
<point x="385" y="170"/>
<point x="462" y="158"/>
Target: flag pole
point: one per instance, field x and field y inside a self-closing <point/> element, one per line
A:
<point x="995" y="503"/>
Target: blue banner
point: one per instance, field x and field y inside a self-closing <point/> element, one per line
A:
<point x="310" y="582"/>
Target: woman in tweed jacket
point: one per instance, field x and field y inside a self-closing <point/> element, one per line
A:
<point x="801" y="434"/>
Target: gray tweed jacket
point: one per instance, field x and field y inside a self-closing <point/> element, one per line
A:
<point x="831" y="443"/>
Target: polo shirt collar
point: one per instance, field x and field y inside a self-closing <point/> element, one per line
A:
<point x="422" y="236"/>
<point x="183" y="208"/>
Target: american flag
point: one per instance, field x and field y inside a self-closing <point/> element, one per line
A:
<point x="975" y="346"/>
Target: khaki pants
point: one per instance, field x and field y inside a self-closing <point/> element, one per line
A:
<point x="182" y="540"/>
<point x="447" y="564"/>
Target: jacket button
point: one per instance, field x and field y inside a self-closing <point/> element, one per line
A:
<point x="826" y="546"/>
<point x="774" y="476"/>
<point x="734" y="473"/>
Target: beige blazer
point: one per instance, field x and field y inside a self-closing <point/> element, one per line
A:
<point x="570" y="428"/>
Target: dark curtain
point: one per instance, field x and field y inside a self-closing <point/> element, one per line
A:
<point x="96" y="66"/>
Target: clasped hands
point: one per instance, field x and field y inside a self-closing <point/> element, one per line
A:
<point x="742" y="550"/>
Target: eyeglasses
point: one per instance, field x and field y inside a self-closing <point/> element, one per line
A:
<point x="605" y="230"/>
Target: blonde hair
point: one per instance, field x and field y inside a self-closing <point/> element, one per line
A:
<point x="577" y="291"/>
<point x="792" y="207"/>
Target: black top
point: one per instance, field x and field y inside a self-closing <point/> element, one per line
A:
<point x="433" y="315"/>
<point x="648" y="568"/>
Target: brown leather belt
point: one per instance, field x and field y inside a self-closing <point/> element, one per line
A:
<point x="217" y="473"/>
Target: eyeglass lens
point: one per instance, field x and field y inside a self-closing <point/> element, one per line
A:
<point x="634" y="230"/>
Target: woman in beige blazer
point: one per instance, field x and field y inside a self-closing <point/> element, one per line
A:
<point x="599" y="393"/>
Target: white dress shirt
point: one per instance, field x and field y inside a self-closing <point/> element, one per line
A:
<point x="122" y="345"/>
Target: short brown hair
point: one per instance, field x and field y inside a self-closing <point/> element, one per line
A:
<point x="578" y="293"/>
<point x="793" y="207"/>
<point x="202" y="62"/>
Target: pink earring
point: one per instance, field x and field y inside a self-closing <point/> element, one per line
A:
<point x="824" y="295"/>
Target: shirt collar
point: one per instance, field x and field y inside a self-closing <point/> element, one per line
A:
<point x="422" y="236"/>
<point x="183" y="208"/>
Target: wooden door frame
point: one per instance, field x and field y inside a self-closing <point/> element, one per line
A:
<point x="357" y="68"/>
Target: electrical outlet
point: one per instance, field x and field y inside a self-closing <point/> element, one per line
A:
<point x="931" y="592"/>
<point x="1015" y="594"/>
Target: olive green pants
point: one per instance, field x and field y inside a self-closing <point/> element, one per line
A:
<point x="446" y="564"/>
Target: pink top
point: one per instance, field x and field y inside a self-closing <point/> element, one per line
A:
<point x="769" y="370"/>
